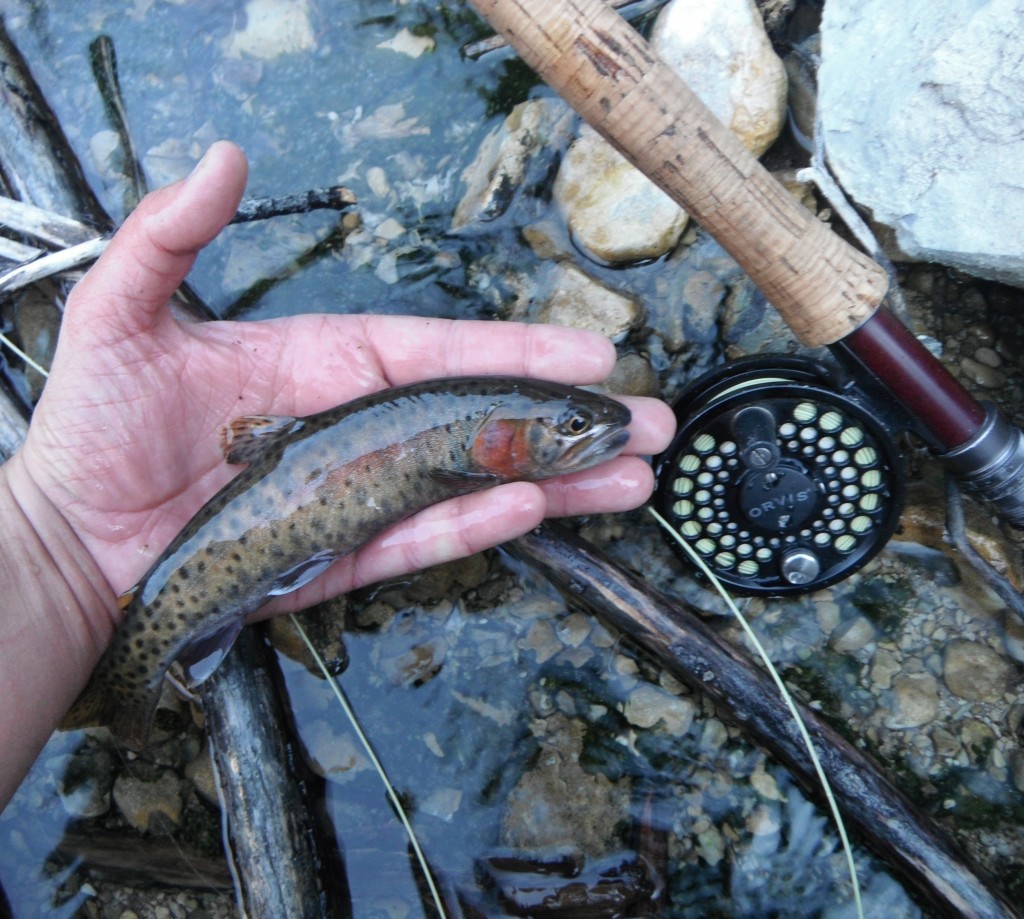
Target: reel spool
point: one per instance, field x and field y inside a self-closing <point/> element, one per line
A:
<point x="780" y="479"/>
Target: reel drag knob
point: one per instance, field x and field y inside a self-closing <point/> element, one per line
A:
<point x="779" y="481"/>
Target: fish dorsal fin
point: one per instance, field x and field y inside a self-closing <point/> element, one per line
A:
<point x="245" y="439"/>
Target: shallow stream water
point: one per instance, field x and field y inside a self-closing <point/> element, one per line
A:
<point x="509" y="720"/>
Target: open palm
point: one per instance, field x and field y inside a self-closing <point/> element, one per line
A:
<point x="125" y="438"/>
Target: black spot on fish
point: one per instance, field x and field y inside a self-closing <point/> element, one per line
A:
<point x="201" y="567"/>
<point x="175" y="588"/>
<point x="235" y="557"/>
<point x="184" y="573"/>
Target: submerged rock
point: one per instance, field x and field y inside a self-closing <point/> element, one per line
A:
<point x="976" y="672"/>
<point x="579" y="301"/>
<point x="501" y="164"/>
<point x="614" y="212"/>
<point x="921" y="115"/>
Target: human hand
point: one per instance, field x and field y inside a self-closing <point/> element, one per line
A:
<point x="124" y="441"/>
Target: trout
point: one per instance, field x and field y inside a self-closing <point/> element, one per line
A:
<point x="316" y="489"/>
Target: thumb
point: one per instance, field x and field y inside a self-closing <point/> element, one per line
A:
<point x="147" y="259"/>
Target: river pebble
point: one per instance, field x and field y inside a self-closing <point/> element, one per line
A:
<point x="154" y="806"/>
<point x="576" y="299"/>
<point x="915" y="701"/>
<point x="648" y="705"/>
<point x="530" y="131"/>
<point x="853" y="635"/>
<point x="273" y="28"/>
<point x="976" y="672"/>
<point x="617" y="215"/>
<point x="983" y="374"/>
<point x="613" y="211"/>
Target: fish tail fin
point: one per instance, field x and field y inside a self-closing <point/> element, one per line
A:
<point x="129" y="718"/>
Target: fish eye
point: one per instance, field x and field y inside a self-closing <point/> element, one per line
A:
<point x="578" y="422"/>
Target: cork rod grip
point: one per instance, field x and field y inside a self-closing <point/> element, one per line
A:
<point x="583" y="49"/>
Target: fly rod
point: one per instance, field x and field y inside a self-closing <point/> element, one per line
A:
<point x="829" y="293"/>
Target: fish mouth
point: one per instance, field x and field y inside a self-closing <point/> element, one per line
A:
<point x="601" y="446"/>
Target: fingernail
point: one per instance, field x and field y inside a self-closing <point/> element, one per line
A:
<point x="199" y="167"/>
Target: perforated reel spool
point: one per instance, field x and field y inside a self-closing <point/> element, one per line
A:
<point x="780" y="482"/>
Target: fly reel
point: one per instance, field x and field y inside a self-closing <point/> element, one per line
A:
<point x="779" y="478"/>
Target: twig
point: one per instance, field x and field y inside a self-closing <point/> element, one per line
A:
<point x="337" y="197"/>
<point x="53" y="263"/>
<point x="104" y="71"/>
<point x="821" y="176"/>
<point x="956" y="531"/>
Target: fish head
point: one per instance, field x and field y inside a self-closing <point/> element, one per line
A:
<point x="545" y="430"/>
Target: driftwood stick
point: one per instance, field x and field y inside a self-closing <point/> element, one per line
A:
<point x="583" y="49"/>
<point x="13" y="427"/>
<point x="918" y="850"/>
<point x="282" y="869"/>
<point x="148" y="862"/>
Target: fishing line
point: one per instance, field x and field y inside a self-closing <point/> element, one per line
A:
<point x="787" y="698"/>
<point x="365" y="741"/>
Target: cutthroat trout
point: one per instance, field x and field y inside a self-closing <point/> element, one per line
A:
<point x="316" y="489"/>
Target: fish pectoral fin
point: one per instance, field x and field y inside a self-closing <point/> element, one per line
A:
<point x="464" y="481"/>
<point x="126" y="598"/>
<point x="202" y="656"/>
<point x="302" y="573"/>
<point x="245" y="439"/>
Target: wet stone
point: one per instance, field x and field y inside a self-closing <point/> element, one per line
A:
<point x="915" y="701"/>
<point x="86" y="782"/>
<point x="613" y="211"/>
<point x="501" y="164"/>
<point x="853" y="635"/>
<point x="648" y="705"/>
<point x="579" y="301"/>
<point x="982" y="374"/>
<point x="721" y="50"/>
<point x="153" y="807"/>
<point x="975" y="671"/>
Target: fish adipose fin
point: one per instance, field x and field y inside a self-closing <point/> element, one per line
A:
<point x="245" y="439"/>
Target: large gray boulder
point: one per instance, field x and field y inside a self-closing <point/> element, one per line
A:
<point x="922" y="107"/>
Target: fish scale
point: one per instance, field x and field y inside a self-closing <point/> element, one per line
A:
<point x="316" y="489"/>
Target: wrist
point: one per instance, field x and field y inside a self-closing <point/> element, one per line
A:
<point x="58" y="613"/>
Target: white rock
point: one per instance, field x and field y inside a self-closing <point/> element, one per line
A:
<point x="405" y="42"/>
<point x="501" y="163"/>
<point x="921" y="115"/>
<point x="721" y="50"/>
<point x="614" y="212"/>
<point x="273" y="28"/>
<point x="579" y="301"/>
